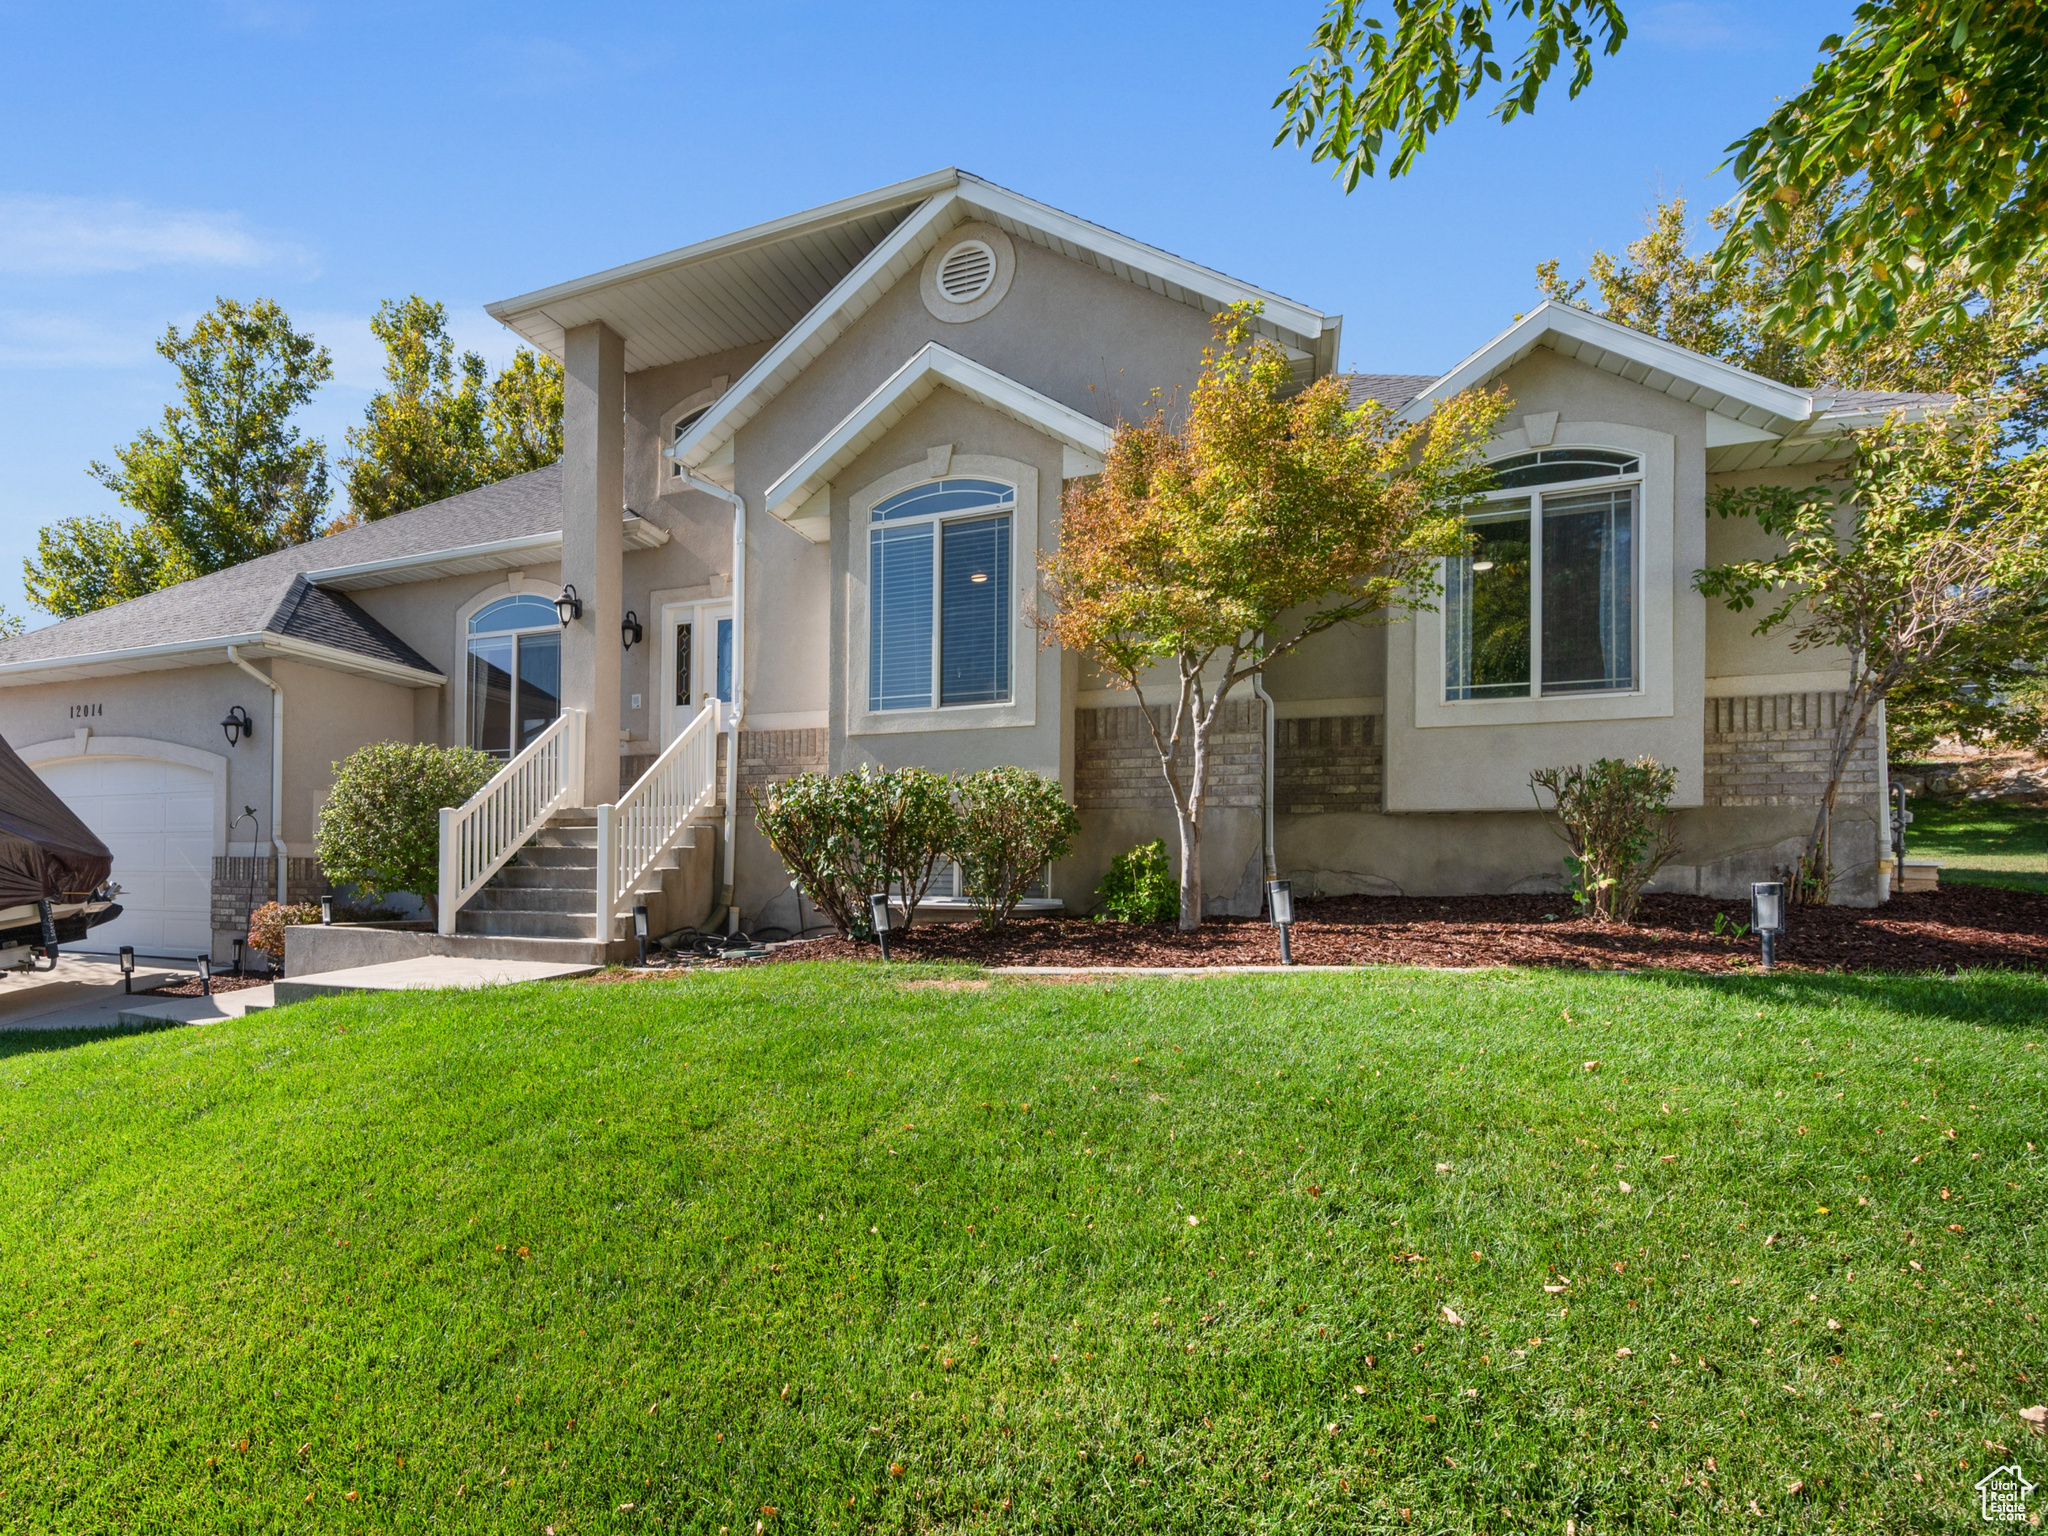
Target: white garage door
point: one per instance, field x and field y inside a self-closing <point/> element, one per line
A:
<point x="157" y="818"/>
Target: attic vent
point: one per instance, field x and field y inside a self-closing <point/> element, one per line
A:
<point x="967" y="272"/>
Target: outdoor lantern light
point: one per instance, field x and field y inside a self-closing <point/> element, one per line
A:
<point x="1280" y="907"/>
<point x="238" y="955"/>
<point x="127" y="967"/>
<point x="326" y="909"/>
<point x="640" y="932"/>
<point x="205" y="975"/>
<point x="878" y="908"/>
<point x="568" y="606"/>
<point x="629" y="629"/>
<point x="1767" y="915"/>
<point x="238" y="725"/>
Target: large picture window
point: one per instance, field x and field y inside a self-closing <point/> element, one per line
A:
<point x="515" y="674"/>
<point x="1546" y="602"/>
<point x="939" y="603"/>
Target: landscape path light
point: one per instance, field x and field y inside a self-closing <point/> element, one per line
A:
<point x="878" y="909"/>
<point x="1767" y="916"/>
<point x="327" y="909"/>
<point x="127" y="967"/>
<point x="1280" y="907"/>
<point x="238" y="955"/>
<point x="205" y="963"/>
<point x="640" y="931"/>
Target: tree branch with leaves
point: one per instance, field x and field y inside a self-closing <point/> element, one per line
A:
<point x="1933" y="547"/>
<point x="1267" y="516"/>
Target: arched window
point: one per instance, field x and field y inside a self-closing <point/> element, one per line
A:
<point x="1545" y="604"/>
<point x="515" y="673"/>
<point x="939" y="602"/>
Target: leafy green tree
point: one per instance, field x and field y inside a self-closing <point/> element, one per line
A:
<point x="1268" y="516"/>
<point x="1932" y="548"/>
<point x="223" y="478"/>
<point x="443" y="426"/>
<point x="10" y="622"/>
<point x="87" y="563"/>
<point x="1921" y="135"/>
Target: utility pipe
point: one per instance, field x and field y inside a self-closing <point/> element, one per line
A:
<point x="276" y="765"/>
<point x="697" y="482"/>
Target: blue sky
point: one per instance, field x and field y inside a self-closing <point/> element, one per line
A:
<point x="330" y="156"/>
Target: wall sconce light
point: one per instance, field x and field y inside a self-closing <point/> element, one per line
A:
<point x="1280" y="908"/>
<point x="1767" y="915"/>
<point x="878" y="909"/>
<point x="327" y="909"/>
<point x="238" y="725"/>
<point x="128" y="968"/>
<point x="629" y="629"/>
<point x="568" y="606"/>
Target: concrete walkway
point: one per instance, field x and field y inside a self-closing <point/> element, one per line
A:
<point x="200" y="1010"/>
<point x="424" y="973"/>
<point x="83" y="992"/>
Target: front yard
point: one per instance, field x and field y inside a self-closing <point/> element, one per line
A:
<point x="861" y="1248"/>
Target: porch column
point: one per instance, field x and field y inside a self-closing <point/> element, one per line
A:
<point x="593" y="499"/>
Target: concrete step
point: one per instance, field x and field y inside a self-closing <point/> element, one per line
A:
<point x="532" y="898"/>
<point x="537" y="872"/>
<point x="526" y="924"/>
<point x="311" y="947"/>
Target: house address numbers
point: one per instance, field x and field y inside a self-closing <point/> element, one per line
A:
<point x="87" y="711"/>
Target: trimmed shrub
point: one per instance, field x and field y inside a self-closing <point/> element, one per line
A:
<point x="1013" y="822"/>
<point x="269" y="921"/>
<point x="1140" y="887"/>
<point x="1615" y="817"/>
<point x="844" y="837"/>
<point x="380" y="830"/>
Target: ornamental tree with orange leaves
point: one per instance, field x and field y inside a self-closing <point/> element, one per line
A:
<point x="1205" y="550"/>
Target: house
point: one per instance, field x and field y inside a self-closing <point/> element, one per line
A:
<point x="809" y="471"/>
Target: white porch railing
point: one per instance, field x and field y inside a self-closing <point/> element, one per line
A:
<point x="652" y="814"/>
<point x="478" y="836"/>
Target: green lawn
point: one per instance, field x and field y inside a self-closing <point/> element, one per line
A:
<point x="1983" y="843"/>
<point x="1268" y="1254"/>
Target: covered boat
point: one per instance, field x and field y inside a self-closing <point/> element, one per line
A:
<point x="54" y="873"/>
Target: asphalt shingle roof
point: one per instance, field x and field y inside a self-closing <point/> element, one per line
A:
<point x="269" y="593"/>
<point x="1393" y="390"/>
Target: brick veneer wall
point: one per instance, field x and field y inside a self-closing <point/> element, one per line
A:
<point x="1327" y="763"/>
<point x="241" y="884"/>
<point x="769" y="757"/>
<point x="1773" y="749"/>
<point x="1116" y="767"/>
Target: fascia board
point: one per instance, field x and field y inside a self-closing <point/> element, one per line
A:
<point x="511" y="311"/>
<point x="1742" y="391"/>
<point x="1216" y="289"/>
<point x="364" y="572"/>
<point x="856" y="292"/>
<point x="932" y="366"/>
<point x="345" y="661"/>
<point x="173" y="653"/>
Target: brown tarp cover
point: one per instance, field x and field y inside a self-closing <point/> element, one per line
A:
<point x="45" y="850"/>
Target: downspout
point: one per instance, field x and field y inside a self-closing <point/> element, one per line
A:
<point x="697" y="482"/>
<point x="1266" y="789"/>
<point x="276" y="766"/>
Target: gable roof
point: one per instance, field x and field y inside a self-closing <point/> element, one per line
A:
<point x="931" y="367"/>
<point x="711" y="296"/>
<point x="1752" y="421"/>
<point x="294" y="601"/>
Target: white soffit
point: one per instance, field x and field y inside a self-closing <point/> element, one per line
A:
<point x="901" y="392"/>
<point x="499" y="555"/>
<point x="1772" y="408"/>
<point x="212" y="651"/>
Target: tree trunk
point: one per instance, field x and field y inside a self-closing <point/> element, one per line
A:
<point x="1190" y="874"/>
<point x="1814" y="883"/>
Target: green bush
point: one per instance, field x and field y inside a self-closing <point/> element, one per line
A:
<point x="1615" y="817"/>
<point x="380" y="830"/>
<point x="844" y="837"/>
<point x="1012" y="824"/>
<point x="1140" y="887"/>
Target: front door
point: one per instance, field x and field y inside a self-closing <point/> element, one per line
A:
<point x="697" y="654"/>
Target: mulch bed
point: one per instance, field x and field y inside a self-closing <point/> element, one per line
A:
<point x="1958" y="928"/>
<point x="190" y="987"/>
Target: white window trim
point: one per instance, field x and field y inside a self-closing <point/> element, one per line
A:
<point x="668" y="473"/>
<point x="514" y="585"/>
<point x="1022" y="708"/>
<point x="1656" y="593"/>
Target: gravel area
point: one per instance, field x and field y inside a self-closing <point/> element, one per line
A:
<point x="1959" y="928"/>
